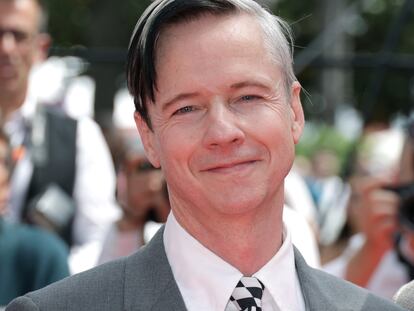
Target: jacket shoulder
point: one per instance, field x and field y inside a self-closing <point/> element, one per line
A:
<point x="347" y="294"/>
<point x="135" y="282"/>
<point x="323" y="291"/>
<point x="100" y="288"/>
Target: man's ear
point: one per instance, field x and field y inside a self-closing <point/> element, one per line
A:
<point x="298" y="118"/>
<point x="148" y="140"/>
<point x="43" y="43"/>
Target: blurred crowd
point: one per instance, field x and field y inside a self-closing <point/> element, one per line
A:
<point x="73" y="197"/>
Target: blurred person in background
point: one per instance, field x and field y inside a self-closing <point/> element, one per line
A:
<point x="64" y="178"/>
<point x="141" y="194"/>
<point x="299" y="214"/>
<point x="379" y="254"/>
<point x="324" y="182"/>
<point x="299" y="198"/>
<point x="330" y="194"/>
<point x="30" y="258"/>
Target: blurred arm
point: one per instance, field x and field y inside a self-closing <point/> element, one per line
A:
<point x="377" y="221"/>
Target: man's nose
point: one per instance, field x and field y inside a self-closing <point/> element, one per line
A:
<point x="223" y="127"/>
<point x="7" y="42"/>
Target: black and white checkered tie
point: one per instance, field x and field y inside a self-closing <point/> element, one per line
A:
<point x="247" y="296"/>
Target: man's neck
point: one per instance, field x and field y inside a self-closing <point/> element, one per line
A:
<point x="10" y="104"/>
<point x="247" y="242"/>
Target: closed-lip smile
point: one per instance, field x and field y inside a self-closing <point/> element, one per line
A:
<point x="229" y="166"/>
<point x="7" y="70"/>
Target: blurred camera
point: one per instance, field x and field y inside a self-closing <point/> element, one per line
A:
<point x="406" y="207"/>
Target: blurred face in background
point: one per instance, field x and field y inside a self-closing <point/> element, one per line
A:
<point x="376" y="169"/>
<point x="141" y="189"/>
<point x="21" y="45"/>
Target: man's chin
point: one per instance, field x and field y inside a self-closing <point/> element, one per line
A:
<point x="9" y="88"/>
<point x="7" y="72"/>
<point x="239" y="205"/>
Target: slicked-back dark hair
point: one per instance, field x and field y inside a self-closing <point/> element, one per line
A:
<point x="140" y="67"/>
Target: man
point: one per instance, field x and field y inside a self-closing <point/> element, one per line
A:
<point x="218" y="110"/>
<point x="60" y="161"/>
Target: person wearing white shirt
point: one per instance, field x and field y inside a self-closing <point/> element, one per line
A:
<point x="23" y="44"/>
<point x="218" y="110"/>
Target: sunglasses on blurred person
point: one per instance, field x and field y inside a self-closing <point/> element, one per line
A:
<point x="139" y="165"/>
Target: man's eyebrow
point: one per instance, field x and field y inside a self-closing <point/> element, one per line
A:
<point x="250" y="83"/>
<point x="238" y="85"/>
<point x="182" y="96"/>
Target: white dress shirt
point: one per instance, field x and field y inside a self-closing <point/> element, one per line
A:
<point x="94" y="187"/>
<point x="206" y="281"/>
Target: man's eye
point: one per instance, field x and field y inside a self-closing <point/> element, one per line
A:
<point x="184" y="110"/>
<point x="20" y="35"/>
<point x="17" y="35"/>
<point x="249" y="97"/>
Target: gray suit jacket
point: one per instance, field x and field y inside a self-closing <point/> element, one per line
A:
<point x="144" y="281"/>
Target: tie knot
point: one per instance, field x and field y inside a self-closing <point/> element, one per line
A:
<point x="247" y="296"/>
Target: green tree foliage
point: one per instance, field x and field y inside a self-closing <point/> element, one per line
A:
<point x="93" y="23"/>
<point x="109" y="23"/>
<point x="367" y="31"/>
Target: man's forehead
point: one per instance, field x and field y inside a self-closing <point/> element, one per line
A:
<point x="210" y="20"/>
<point x="196" y="46"/>
<point x="203" y="33"/>
<point x="28" y="10"/>
<point x="20" y="4"/>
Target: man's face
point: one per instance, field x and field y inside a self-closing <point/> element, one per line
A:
<point x="20" y="45"/>
<point x="141" y="188"/>
<point x="224" y="129"/>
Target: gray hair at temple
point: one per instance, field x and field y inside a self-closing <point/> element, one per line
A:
<point x="44" y="16"/>
<point x="141" y="74"/>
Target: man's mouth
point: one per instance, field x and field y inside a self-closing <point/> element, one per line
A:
<point x="231" y="166"/>
<point x="7" y="71"/>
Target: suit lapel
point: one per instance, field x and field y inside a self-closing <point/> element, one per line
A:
<point x="315" y="298"/>
<point x="149" y="282"/>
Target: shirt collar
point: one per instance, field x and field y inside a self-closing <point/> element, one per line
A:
<point x="206" y="281"/>
<point x="279" y="276"/>
<point x="16" y="121"/>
